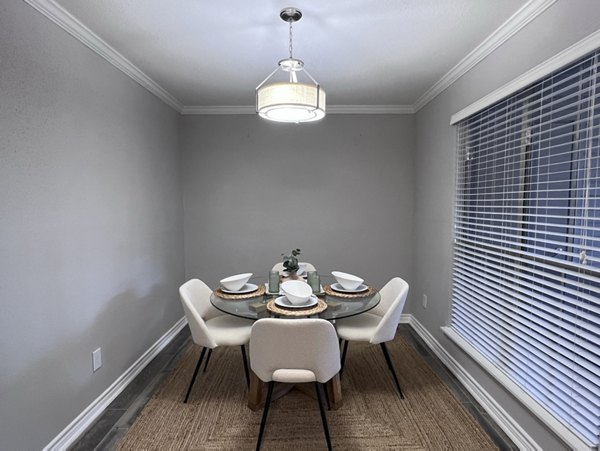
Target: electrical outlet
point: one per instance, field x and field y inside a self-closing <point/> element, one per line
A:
<point x="96" y="359"/>
<point x="424" y="300"/>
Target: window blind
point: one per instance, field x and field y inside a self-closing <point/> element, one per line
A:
<point x="526" y="272"/>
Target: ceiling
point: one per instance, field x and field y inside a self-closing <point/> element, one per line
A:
<point x="363" y="52"/>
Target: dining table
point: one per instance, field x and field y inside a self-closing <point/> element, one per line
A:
<point x="259" y="304"/>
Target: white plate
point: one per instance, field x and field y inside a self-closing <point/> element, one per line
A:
<point x="248" y="288"/>
<point x="282" y="301"/>
<point x="337" y="287"/>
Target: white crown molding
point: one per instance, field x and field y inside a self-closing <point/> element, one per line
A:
<point x="370" y="109"/>
<point x="331" y="109"/>
<point x="218" y="109"/>
<point x="79" y="425"/>
<point x="77" y="29"/>
<point x="508" y="424"/>
<point x="518" y="20"/>
<point x="558" y="61"/>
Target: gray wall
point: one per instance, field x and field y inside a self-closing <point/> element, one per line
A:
<point x="341" y="190"/>
<point x="91" y="233"/>
<point x="561" y="25"/>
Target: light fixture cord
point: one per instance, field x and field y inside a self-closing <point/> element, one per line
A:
<point x="290" y="22"/>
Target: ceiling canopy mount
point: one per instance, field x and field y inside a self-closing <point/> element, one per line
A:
<point x="290" y="14"/>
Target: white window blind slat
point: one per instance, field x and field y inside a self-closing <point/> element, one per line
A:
<point x="526" y="266"/>
<point x="500" y="140"/>
<point x="556" y="245"/>
<point x="540" y="244"/>
<point x="531" y="91"/>
<point x="565" y="296"/>
<point x="522" y="358"/>
<point x="567" y="354"/>
<point x="541" y="264"/>
<point x="554" y="303"/>
<point x="548" y="392"/>
<point x="566" y="416"/>
<point x="531" y="358"/>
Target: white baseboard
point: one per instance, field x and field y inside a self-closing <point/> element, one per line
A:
<point x="80" y="424"/>
<point x="405" y="318"/>
<point x="516" y="433"/>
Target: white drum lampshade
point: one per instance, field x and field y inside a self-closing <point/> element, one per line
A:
<point x="291" y="102"/>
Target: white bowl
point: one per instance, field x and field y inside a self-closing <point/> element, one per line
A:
<point x="235" y="283"/>
<point x="296" y="291"/>
<point x="347" y="281"/>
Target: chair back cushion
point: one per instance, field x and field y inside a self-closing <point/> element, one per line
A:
<point x="195" y="298"/>
<point x="306" y="344"/>
<point x="393" y="298"/>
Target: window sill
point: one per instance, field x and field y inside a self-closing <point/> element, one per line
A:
<point x="563" y="432"/>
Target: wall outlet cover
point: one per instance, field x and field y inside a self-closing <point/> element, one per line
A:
<point x="96" y="359"/>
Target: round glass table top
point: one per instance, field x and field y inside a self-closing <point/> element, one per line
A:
<point x="256" y="307"/>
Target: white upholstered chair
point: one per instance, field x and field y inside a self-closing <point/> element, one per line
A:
<point x="378" y="325"/>
<point x="294" y="351"/>
<point x="279" y="267"/>
<point x="211" y="328"/>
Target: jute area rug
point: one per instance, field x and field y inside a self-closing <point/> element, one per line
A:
<point x="373" y="415"/>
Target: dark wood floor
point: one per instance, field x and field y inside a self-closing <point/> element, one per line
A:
<point x="113" y="424"/>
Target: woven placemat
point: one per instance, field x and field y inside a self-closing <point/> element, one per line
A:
<point x="274" y="308"/>
<point x="236" y="297"/>
<point x="363" y="294"/>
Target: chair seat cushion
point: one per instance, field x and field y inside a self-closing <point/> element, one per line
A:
<point x="293" y="376"/>
<point x="227" y="330"/>
<point x="358" y="328"/>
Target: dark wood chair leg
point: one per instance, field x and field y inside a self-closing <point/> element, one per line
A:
<point x="344" y="357"/>
<point x="263" y="422"/>
<point x="323" y="414"/>
<point x="391" y="367"/>
<point x="245" y="366"/>
<point x="207" y="359"/>
<point x="187" y="395"/>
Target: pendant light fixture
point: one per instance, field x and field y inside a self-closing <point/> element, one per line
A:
<point x="290" y="100"/>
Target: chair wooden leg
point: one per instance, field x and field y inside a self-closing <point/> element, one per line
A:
<point x="207" y="359"/>
<point x="318" y="388"/>
<point x="187" y="395"/>
<point x="263" y="422"/>
<point x="344" y="357"/>
<point x="245" y="366"/>
<point x="391" y="367"/>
